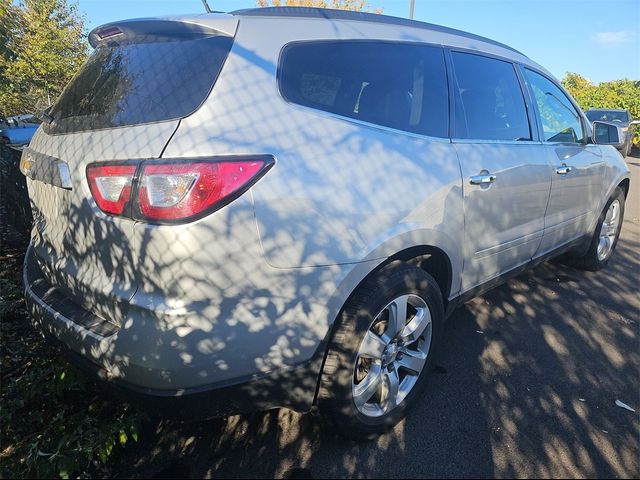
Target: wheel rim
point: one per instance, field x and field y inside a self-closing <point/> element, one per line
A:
<point x="392" y="355"/>
<point x="609" y="230"/>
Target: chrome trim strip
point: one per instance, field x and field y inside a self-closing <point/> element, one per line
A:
<point x="46" y="169"/>
<point x="500" y="142"/>
<point x="487" y="252"/>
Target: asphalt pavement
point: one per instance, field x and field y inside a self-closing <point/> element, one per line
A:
<point x="525" y="385"/>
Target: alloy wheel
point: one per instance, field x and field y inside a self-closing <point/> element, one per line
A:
<point x="609" y="230"/>
<point x="392" y="355"/>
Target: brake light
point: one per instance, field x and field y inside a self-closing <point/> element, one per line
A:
<point x="173" y="191"/>
<point x="110" y="186"/>
<point x="180" y="191"/>
<point x="109" y="32"/>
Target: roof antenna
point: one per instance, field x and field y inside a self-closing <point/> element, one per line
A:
<point x="206" y="6"/>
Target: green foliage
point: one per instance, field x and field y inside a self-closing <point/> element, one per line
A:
<point x="614" y="94"/>
<point x="54" y="421"/>
<point x="43" y="45"/>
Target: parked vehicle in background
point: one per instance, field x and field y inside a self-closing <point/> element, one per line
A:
<point x="16" y="131"/>
<point x="277" y="207"/>
<point x="618" y="116"/>
<point x="24" y="117"/>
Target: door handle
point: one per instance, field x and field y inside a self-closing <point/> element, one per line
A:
<point x="483" y="179"/>
<point x="563" y="170"/>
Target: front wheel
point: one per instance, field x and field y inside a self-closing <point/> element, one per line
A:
<point x="606" y="235"/>
<point x="382" y="351"/>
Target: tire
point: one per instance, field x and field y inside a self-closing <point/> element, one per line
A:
<point x="349" y="367"/>
<point x="627" y="149"/>
<point x="594" y="259"/>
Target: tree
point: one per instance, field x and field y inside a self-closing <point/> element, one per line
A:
<point x="614" y="94"/>
<point x="9" y="22"/>
<point x="43" y="45"/>
<point x="355" y="5"/>
<point x="578" y="86"/>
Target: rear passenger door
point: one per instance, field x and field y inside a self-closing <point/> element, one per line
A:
<point x="578" y="167"/>
<point x="505" y="173"/>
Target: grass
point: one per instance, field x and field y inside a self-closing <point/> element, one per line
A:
<point x="54" y="421"/>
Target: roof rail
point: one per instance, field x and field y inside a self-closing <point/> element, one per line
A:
<point x="333" y="14"/>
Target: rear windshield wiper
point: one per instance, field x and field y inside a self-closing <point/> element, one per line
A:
<point x="44" y="116"/>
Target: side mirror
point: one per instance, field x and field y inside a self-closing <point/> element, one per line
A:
<point x="635" y="122"/>
<point x="607" y="134"/>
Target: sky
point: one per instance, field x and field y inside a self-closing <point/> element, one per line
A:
<point x="599" y="39"/>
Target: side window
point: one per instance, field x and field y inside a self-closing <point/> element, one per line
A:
<point x="395" y="85"/>
<point x="491" y="100"/>
<point x="560" y="120"/>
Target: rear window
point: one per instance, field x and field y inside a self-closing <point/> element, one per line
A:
<point x="396" y="85"/>
<point x="608" y="116"/>
<point x="132" y="83"/>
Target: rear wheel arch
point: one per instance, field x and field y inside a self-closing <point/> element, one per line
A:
<point x="432" y="260"/>
<point x="624" y="185"/>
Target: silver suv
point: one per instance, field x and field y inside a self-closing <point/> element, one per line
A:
<point x="279" y="207"/>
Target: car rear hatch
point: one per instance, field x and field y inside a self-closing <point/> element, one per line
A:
<point x="124" y="104"/>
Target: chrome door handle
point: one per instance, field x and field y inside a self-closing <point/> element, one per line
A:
<point x="563" y="170"/>
<point x="482" y="179"/>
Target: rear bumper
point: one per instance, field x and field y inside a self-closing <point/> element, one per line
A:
<point x="91" y="343"/>
<point x="257" y="393"/>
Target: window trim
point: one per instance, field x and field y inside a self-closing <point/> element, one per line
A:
<point x="279" y="69"/>
<point x="586" y="131"/>
<point x="456" y="101"/>
<point x="536" y="129"/>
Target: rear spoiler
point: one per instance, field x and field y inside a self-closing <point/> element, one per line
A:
<point x="153" y="29"/>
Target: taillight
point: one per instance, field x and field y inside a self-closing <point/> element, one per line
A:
<point x="173" y="191"/>
<point x="111" y="186"/>
<point x="178" y="191"/>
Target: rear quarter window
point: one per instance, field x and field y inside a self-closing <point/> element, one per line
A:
<point x="396" y="85"/>
<point x="133" y="83"/>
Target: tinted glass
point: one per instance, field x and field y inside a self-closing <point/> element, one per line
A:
<point x="606" y="134"/>
<point x="608" y="116"/>
<point x="134" y="83"/>
<point x="560" y="120"/>
<point x="492" y="103"/>
<point x="401" y="86"/>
